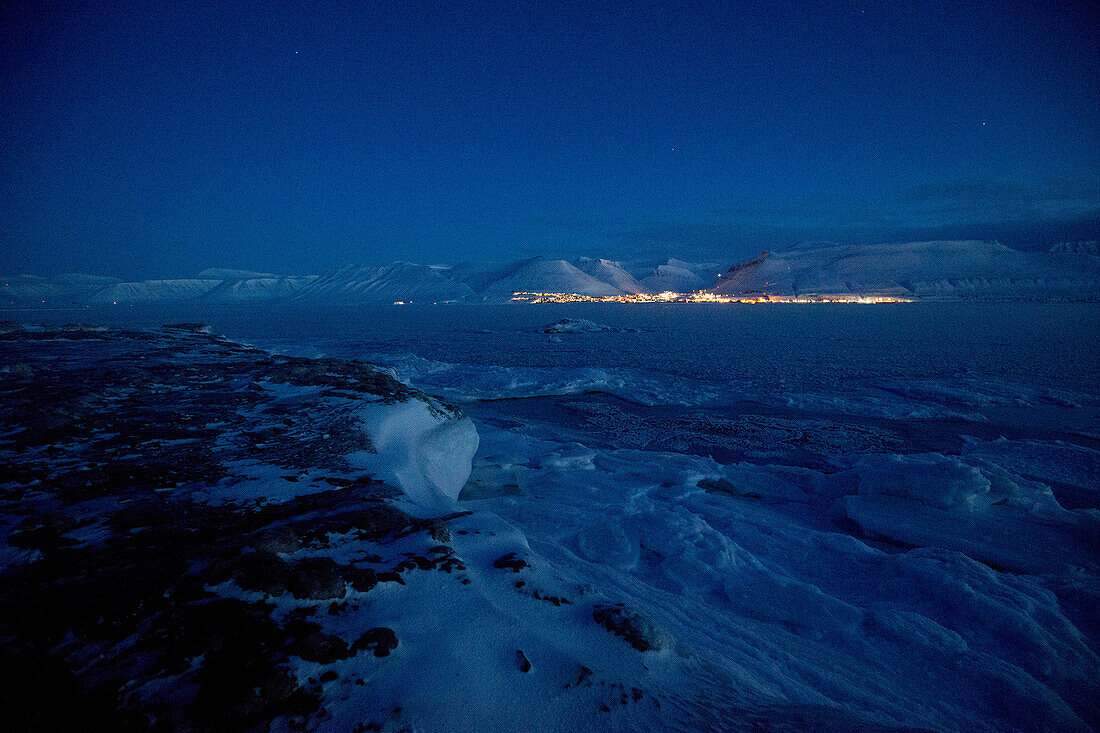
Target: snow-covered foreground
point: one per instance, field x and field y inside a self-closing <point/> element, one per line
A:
<point x="833" y="518"/>
<point x="853" y="522"/>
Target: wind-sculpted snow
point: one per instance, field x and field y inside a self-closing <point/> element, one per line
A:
<point x="760" y="519"/>
<point x="465" y="383"/>
<point x="782" y="609"/>
<point x="427" y="457"/>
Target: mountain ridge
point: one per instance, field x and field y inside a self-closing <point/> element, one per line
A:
<point x="932" y="270"/>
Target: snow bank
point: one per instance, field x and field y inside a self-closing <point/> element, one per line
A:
<point x="426" y="451"/>
<point x="948" y="483"/>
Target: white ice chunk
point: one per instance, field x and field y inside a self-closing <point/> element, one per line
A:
<point x="425" y="451"/>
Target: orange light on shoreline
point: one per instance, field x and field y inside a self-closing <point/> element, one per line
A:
<point x="702" y="296"/>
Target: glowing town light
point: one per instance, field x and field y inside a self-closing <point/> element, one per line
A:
<point x="703" y="296"/>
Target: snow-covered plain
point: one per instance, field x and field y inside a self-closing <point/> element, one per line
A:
<point x="822" y="517"/>
<point x="874" y="517"/>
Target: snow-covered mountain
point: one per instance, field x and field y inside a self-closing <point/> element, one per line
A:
<point x="399" y="281"/>
<point x="63" y="290"/>
<point x="611" y="273"/>
<point x="952" y="269"/>
<point x="948" y="269"/>
<point x="221" y="273"/>
<point x="680" y="277"/>
<point x="252" y="289"/>
<point x="1080" y="248"/>
<point x="541" y="275"/>
<point x="153" y="291"/>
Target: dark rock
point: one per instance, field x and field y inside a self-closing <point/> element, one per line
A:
<point x="522" y="662"/>
<point x="297" y="626"/>
<point x="278" y="539"/>
<point x="328" y="676"/>
<point x="320" y="647"/>
<point x="447" y="564"/>
<point x="144" y="425"/>
<point x="379" y="640"/>
<point x="717" y="486"/>
<point x="242" y="686"/>
<point x="439" y="530"/>
<point x="510" y="561"/>
<point x="630" y="626"/>
<point x="43" y="532"/>
<point x="317" y="578"/>
<point x="259" y="571"/>
<point x="361" y="579"/>
<point x="380" y="520"/>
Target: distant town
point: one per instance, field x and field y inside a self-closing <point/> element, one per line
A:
<point x="701" y="296"/>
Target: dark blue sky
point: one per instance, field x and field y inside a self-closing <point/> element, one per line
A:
<point x="157" y="139"/>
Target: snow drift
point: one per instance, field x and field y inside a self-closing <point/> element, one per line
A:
<point x="422" y="448"/>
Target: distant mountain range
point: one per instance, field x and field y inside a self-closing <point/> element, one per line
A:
<point x="941" y="270"/>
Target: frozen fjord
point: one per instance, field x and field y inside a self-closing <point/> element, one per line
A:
<point x="841" y="518"/>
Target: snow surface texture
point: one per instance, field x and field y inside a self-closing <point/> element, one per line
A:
<point x="781" y="519"/>
<point x="426" y="452"/>
<point x="937" y="270"/>
<point x="866" y="562"/>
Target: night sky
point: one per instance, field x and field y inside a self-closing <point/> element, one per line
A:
<point x="156" y="139"/>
